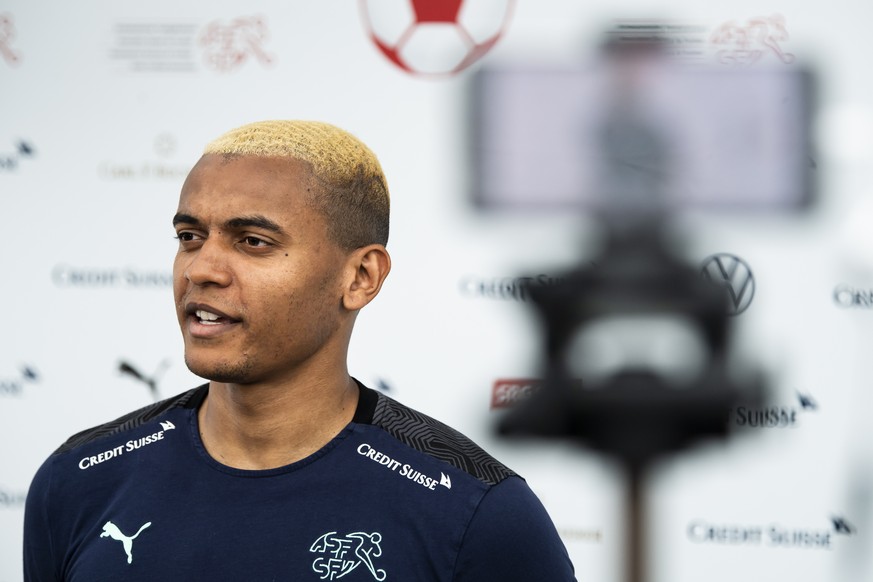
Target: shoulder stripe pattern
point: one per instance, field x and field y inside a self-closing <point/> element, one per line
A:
<point x="434" y="438"/>
<point x="130" y="420"/>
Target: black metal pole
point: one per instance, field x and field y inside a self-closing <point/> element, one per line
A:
<point x="635" y="518"/>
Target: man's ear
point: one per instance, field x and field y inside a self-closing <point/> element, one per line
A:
<point x="367" y="268"/>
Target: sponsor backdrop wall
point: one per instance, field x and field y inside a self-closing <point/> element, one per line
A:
<point x="106" y="105"/>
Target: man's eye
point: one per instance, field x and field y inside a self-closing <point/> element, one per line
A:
<point x="254" y="241"/>
<point x="185" y="236"/>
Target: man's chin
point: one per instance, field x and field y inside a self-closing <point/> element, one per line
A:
<point x="225" y="372"/>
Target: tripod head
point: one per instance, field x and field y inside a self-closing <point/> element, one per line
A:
<point x="636" y="412"/>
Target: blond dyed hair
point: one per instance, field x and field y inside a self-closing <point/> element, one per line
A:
<point x="351" y="191"/>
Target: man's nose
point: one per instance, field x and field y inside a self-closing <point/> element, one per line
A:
<point x="209" y="265"/>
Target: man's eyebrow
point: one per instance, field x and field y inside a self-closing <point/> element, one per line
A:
<point x="257" y="221"/>
<point x="185" y="219"/>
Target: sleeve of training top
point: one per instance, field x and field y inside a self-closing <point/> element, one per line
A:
<point x="39" y="562"/>
<point x="512" y="539"/>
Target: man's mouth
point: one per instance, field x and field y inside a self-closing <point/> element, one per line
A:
<point x="205" y="320"/>
<point x="209" y="318"/>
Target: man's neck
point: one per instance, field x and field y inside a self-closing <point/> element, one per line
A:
<point x="265" y="426"/>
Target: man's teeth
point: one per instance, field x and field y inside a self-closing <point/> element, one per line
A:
<point x="206" y="316"/>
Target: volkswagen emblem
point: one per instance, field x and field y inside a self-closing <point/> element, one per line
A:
<point x="736" y="277"/>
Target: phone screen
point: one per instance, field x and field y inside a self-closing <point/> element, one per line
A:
<point x="682" y="137"/>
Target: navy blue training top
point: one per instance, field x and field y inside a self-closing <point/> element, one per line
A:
<point x="395" y="496"/>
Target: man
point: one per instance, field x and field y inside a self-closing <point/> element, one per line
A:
<point x="282" y="467"/>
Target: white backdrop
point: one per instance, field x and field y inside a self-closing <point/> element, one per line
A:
<point x="106" y="105"/>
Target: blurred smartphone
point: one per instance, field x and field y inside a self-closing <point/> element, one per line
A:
<point x="697" y="137"/>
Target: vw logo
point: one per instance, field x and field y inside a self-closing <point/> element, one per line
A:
<point x="735" y="275"/>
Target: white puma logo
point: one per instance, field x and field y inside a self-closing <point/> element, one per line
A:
<point x="111" y="530"/>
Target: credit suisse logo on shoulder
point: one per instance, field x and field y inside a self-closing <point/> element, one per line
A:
<point x="404" y="469"/>
<point x="129" y="447"/>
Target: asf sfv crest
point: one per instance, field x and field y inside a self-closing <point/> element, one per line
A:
<point x="340" y="555"/>
<point x="735" y="276"/>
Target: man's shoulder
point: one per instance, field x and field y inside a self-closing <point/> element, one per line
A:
<point x="132" y="419"/>
<point x="436" y="439"/>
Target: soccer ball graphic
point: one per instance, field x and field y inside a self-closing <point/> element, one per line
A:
<point x="435" y="37"/>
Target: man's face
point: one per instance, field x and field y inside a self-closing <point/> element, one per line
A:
<point x="257" y="282"/>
